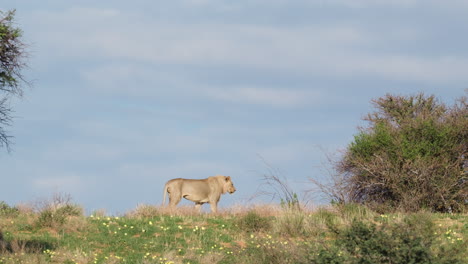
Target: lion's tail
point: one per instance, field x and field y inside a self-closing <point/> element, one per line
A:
<point x="164" y="196"/>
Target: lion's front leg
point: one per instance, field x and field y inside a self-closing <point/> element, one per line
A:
<point x="214" y="203"/>
<point x="198" y="206"/>
<point x="214" y="207"/>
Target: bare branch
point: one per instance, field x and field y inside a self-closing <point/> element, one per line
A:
<point x="276" y="186"/>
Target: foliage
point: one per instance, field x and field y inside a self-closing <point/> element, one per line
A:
<point x="290" y="202"/>
<point x="12" y="55"/>
<point x="253" y="222"/>
<point x="410" y="241"/>
<point x="291" y="224"/>
<point x="6" y="210"/>
<point x="205" y="238"/>
<point x="56" y="211"/>
<point x="412" y="156"/>
<point x="57" y="217"/>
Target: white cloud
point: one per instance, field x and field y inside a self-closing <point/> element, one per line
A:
<point x="372" y="3"/>
<point x="333" y="50"/>
<point x="183" y="169"/>
<point x="122" y="78"/>
<point x="59" y="183"/>
<point x="409" y="68"/>
<point x="360" y="4"/>
<point x="80" y="152"/>
<point x="264" y="96"/>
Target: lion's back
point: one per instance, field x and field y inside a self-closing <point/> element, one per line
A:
<point x="198" y="187"/>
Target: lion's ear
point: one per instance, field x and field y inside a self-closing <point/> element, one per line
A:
<point x="228" y="178"/>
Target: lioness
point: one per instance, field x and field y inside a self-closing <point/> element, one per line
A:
<point x="202" y="191"/>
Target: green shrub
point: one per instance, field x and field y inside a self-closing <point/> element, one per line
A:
<point x="252" y="222"/>
<point x="412" y="156"/>
<point x="6" y="210"/>
<point x="366" y="243"/>
<point x="411" y="240"/>
<point x="351" y="211"/>
<point x="292" y="223"/>
<point x="269" y="255"/>
<point x="290" y="202"/>
<point x="57" y="217"/>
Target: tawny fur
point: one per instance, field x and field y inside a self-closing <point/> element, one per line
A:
<point x="201" y="191"/>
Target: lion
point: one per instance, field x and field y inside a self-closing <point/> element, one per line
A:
<point x="199" y="191"/>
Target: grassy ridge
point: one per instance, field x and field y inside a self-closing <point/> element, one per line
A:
<point x="339" y="234"/>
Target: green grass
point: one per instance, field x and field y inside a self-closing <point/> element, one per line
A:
<point x="340" y="234"/>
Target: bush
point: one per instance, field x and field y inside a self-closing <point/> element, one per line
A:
<point x="292" y="223"/>
<point x="367" y="243"/>
<point x="6" y="210"/>
<point x="412" y="156"/>
<point x="144" y="211"/>
<point x="252" y="222"/>
<point x="351" y="211"/>
<point x="412" y="240"/>
<point x="57" y="217"/>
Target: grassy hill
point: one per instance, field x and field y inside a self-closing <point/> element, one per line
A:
<point x="261" y="234"/>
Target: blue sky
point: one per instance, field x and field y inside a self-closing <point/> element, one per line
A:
<point x="129" y="94"/>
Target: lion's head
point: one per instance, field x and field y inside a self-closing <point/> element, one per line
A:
<point x="228" y="185"/>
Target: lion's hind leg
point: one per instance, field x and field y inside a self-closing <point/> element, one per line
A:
<point x="174" y="199"/>
<point x="198" y="206"/>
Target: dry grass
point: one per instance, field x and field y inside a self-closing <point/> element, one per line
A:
<point x="25" y="208"/>
<point x="74" y="224"/>
<point x="257" y="233"/>
<point x="99" y="213"/>
<point x="148" y="211"/>
<point x="77" y="256"/>
<point x="264" y="210"/>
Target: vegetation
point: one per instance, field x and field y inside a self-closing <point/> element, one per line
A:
<point x="338" y="234"/>
<point x="12" y="56"/>
<point x="409" y="163"/>
<point x="412" y="156"/>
